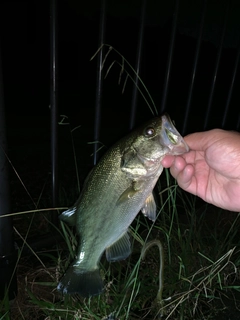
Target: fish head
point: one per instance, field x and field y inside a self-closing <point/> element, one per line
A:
<point x="157" y="138"/>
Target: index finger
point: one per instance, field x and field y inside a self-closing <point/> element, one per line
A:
<point x="202" y="140"/>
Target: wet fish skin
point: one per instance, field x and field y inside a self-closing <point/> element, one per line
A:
<point x="114" y="192"/>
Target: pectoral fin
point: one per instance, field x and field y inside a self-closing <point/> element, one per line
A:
<point x="130" y="192"/>
<point x="69" y="216"/>
<point x="120" y="249"/>
<point x="126" y="195"/>
<point x="149" y="208"/>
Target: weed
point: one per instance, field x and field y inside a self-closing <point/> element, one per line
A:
<point x="196" y="275"/>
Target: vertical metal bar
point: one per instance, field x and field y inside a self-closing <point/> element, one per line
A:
<point x="231" y="87"/>
<point x="170" y="57"/>
<point x="194" y="67"/>
<point x="97" y="120"/>
<point x="138" y="66"/>
<point x="8" y="256"/>
<point x="54" y="103"/>
<point x="209" y="106"/>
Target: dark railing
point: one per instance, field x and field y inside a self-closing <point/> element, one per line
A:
<point x="227" y="116"/>
<point x="8" y="255"/>
<point x="54" y="103"/>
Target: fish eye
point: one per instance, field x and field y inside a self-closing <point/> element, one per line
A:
<point x="149" y="132"/>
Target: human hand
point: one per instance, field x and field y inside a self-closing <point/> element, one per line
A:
<point x="211" y="169"/>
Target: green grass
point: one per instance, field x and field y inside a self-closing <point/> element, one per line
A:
<point x="184" y="266"/>
<point x="201" y="268"/>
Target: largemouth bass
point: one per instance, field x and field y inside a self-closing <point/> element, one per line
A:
<point x="116" y="189"/>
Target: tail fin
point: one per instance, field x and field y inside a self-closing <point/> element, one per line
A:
<point x="85" y="283"/>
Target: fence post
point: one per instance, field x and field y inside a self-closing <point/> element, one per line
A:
<point x="170" y="57"/>
<point x="216" y="69"/>
<point x="196" y="56"/>
<point x="54" y="105"/>
<point x="138" y="66"/>
<point x="8" y="254"/>
<point x="98" y="104"/>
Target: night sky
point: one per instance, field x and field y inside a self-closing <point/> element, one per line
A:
<point x="25" y="50"/>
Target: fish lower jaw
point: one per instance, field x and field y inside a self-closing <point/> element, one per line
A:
<point x="150" y="161"/>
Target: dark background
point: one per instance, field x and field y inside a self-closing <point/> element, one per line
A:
<point x="25" y="49"/>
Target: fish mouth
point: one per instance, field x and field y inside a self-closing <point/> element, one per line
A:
<point x="149" y="161"/>
<point x="171" y="138"/>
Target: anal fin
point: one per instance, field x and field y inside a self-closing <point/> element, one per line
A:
<point x="120" y="249"/>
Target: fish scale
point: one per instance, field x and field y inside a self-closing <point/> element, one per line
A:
<point x="114" y="192"/>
